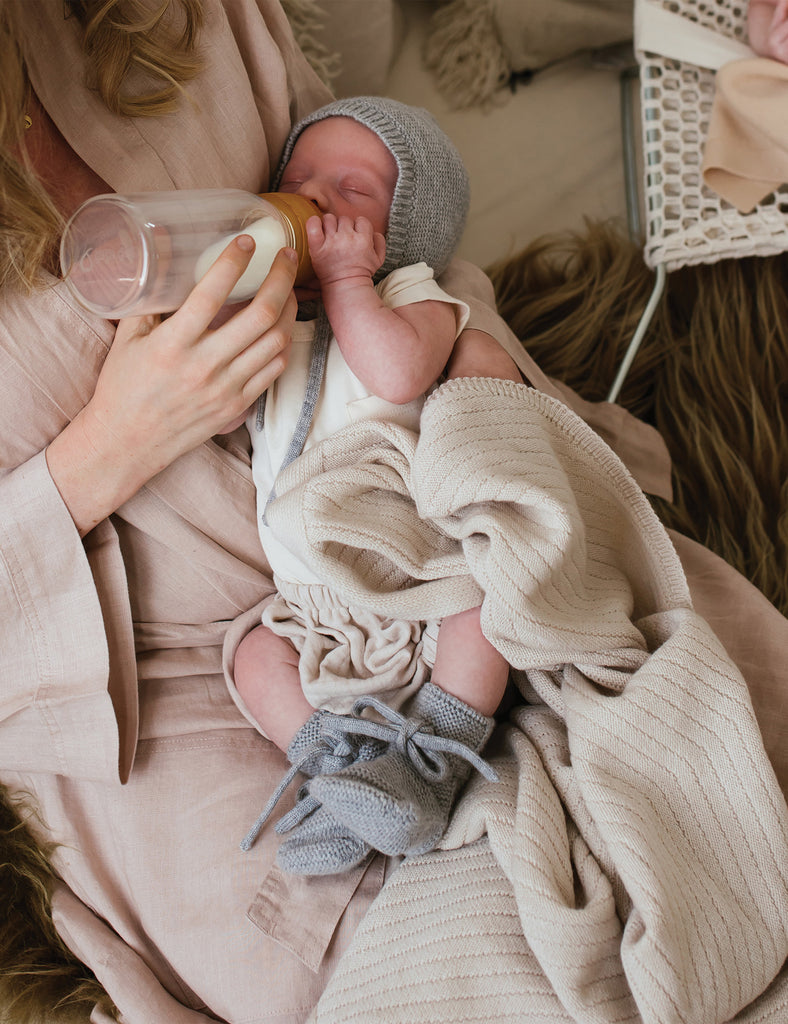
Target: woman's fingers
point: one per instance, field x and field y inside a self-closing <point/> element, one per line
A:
<point x="275" y="295"/>
<point x="262" y="378"/>
<point x="249" y="351"/>
<point x="260" y="332"/>
<point x="261" y="362"/>
<point x="167" y="386"/>
<point x="203" y="345"/>
<point x="211" y="292"/>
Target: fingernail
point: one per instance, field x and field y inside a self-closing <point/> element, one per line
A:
<point x="245" y="243"/>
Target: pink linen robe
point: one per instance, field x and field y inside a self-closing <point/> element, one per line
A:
<point x="114" y="713"/>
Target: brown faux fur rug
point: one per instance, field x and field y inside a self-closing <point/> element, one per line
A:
<point x="711" y="375"/>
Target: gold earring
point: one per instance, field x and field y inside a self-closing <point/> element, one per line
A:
<point x="28" y="122"/>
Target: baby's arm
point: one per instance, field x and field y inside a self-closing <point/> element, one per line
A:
<point x="767" y="27"/>
<point x="397" y="353"/>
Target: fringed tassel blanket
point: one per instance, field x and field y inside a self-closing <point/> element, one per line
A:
<point x="632" y="863"/>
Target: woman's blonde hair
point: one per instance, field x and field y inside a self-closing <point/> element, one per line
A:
<point x="150" y="43"/>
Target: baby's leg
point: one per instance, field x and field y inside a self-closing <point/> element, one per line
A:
<point x="266" y="675"/>
<point x="387" y="802"/>
<point x="467" y="665"/>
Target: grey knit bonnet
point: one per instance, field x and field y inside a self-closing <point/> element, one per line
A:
<point x="432" y="193"/>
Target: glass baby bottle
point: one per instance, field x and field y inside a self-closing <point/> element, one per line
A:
<point x="126" y="255"/>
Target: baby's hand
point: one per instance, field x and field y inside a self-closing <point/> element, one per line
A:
<point x="777" y="36"/>
<point x="343" y="248"/>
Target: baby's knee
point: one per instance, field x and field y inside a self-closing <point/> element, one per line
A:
<point x="258" y="657"/>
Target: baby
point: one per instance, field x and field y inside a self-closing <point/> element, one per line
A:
<point x="393" y="194"/>
<point x="767" y="27"/>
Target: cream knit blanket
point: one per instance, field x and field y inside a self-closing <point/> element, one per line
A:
<point x="632" y="863"/>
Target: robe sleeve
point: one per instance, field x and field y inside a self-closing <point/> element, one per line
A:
<point x="67" y="670"/>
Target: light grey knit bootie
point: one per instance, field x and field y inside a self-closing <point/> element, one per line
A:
<point x="321" y="746"/>
<point x="400" y="802"/>
<point x="320" y="845"/>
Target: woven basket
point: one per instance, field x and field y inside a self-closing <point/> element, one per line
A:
<point x="687" y="223"/>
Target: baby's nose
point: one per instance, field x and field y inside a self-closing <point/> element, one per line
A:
<point x="314" y="190"/>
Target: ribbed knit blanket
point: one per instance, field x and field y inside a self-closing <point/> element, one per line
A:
<point x="632" y="863"/>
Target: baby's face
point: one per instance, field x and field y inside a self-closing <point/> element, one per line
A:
<point x="345" y="168"/>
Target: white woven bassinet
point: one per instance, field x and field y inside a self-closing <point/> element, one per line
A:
<point x="679" y="44"/>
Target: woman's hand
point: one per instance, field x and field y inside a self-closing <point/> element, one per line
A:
<point x="167" y="387"/>
<point x="767" y="28"/>
<point x="777" y="37"/>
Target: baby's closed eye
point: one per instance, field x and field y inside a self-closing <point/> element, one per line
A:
<point x="355" y="188"/>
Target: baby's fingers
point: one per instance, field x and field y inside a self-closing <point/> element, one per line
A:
<point x="379" y="245"/>
<point x="315" y="232"/>
<point x="363" y="227"/>
<point x="328" y="225"/>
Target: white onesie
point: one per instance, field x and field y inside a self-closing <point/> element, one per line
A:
<point x="343" y="652"/>
<point x="343" y="400"/>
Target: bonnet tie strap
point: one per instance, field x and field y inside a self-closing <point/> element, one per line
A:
<point x="314" y="384"/>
